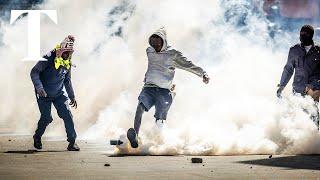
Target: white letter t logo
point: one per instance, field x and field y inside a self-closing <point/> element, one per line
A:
<point x="34" y="30"/>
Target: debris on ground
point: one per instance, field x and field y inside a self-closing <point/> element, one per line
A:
<point x="107" y="164"/>
<point x="196" y="160"/>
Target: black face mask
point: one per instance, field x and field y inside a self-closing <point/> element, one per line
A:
<point x="306" y="35"/>
<point x="306" y="39"/>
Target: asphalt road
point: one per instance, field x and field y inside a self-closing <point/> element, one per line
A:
<point x="18" y="160"/>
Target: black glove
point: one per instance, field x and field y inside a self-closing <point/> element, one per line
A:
<point x="279" y="91"/>
<point x="42" y="92"/>
<point x="73" y="103"/>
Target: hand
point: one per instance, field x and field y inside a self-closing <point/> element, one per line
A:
<point x="42" y="93"/>
<point x="173" y="87"/>
<point x="279" y="91"/>
<point x="206" y="78"/>
<point x="73" y="103"/>
<point x="308" y="88"/>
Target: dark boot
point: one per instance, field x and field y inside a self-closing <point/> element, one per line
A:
<point x="133" y="138"/>
<point x="37" y="142"/>
<point x="73" y="147"/>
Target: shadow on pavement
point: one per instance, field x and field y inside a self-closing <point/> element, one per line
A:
<point x="311" y="162"/>
<point x="31" y="151"/>
<point x="125" y="155"/>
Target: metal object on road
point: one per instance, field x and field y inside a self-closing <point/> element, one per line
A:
<point x="115" y="142"/>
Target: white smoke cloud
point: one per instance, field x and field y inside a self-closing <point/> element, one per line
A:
<point x="236" y="113"/>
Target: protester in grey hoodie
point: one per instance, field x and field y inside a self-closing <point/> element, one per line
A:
<point x="162" y="62"/>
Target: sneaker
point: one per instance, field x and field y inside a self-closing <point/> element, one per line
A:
<point x="37" y="142"/>
<point x="73" y="147"/>
<point x="133" y="138"/>
<point x="160" y="123"/>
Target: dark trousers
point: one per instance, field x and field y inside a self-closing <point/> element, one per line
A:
<point x="63" y="110"/>
<point x="149" y="97"/>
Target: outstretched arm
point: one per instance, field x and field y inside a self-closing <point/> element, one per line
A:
<point x="181" y="62"/>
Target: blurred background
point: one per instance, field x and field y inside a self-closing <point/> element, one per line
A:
<point x="281" y="15"/>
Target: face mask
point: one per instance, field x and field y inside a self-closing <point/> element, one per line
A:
<point x="306" y="39"/>
<point x="58" y="61"/>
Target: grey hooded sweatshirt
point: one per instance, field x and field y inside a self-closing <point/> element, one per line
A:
<point x="161" y="65"/>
